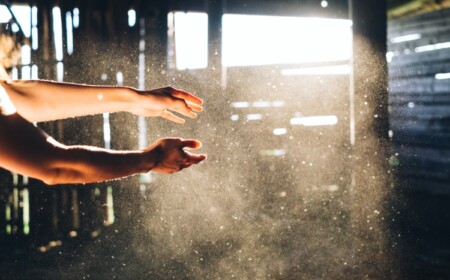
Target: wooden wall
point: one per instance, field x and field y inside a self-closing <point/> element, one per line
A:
<point x="420" y="103"/>
<point x="420" y="125"/>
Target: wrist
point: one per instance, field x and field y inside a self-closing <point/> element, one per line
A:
<point x="127" y="98"/>
<point x="153" y="156"/>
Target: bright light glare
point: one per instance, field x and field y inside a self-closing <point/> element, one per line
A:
<point x="26" y="211"/>
<point x="261" y="104"/>
<point x="323" y="70"/>
<point x="119" y="78"/>
<point x="106" y="131"/>
<point x="254" y="117"/>
<point x="59" y="71"/>
<point x="131" y="18"/>
<point x="191" y="40"/>
<point x="433" y="47"/>
<point x="278" y="103"/>
<point x="76" y="18"/>
<point x="69" y="32"/>
<point x="5" y="16"/>
<point x="442" y="76"/>
<point x="26" y="73"/>
<point x="240" y="104"/>
<point x="389" y="56"/>
<point x="273" y="153"/>
<point x="34" y="16"/>
<point x="57" y="31"/>
<point x="279" y="131"/>
<point x="262" y="40"/>
<point x="34" y="72"/>
<point x="26" y="54"/>
<point x="258" y="104"/>
<point x="324" y="4"/>
<point x="315" y="121"/>
<point x="405" y="38"/>
<point x="35" y="39"/>
<point x="22" y="14"/>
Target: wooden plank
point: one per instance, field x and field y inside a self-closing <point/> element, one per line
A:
<point x="429" y="27"/>
<point x="420" y="104"/>
<point x="415" y="22"/>
<point x="416" y="70"/>
<point x="428" y="57"/>
<point x="403" y="98"/>
<point x="425" y="85"/>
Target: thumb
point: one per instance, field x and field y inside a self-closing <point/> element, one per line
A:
<point x="191" y="144"/>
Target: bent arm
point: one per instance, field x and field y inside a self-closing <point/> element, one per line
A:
<point x="39" y="100"/>
<point x="27" y="150"/>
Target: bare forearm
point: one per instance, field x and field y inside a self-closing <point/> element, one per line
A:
<point x="46" y="100"/>
<point x="26" y="150"/>
<point x="84" y="164"/>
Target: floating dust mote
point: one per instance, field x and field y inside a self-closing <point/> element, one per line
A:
<point x="310" y="214"/>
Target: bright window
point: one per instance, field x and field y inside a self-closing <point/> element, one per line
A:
<point x="190" y="34"/>
<point x="22" y="14"/>
<point x="264" y="40"/>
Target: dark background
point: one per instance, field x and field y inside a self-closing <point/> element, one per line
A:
<point x="377" y="208"/>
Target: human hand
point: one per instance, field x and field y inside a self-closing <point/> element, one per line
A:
<point x="169" y="156"/>
<point x="162" y="102"/>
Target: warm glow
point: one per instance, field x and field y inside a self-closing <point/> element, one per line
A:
<point x="263" y="40"/>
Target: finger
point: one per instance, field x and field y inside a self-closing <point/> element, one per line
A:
<point x="191" y="144"/>
<point x="187" y="165"/>
<point x="171" y="117"/>
<point x="195" y="107"/>
<point x="194" y="159"/>
<point x="186" y="96"/>
<point x="181" y="107"/>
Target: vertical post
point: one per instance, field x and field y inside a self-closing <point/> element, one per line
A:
<point x="370" y="135"/>
<point x="215" y="10"/>
<point x="370" y="67"/>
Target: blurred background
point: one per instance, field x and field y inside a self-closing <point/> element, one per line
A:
<point x="326" y="124"/>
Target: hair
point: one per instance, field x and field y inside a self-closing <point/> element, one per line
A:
<point x="10" y="50"/>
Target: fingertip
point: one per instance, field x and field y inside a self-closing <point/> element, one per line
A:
<point x="192" y="144"/>
<point x="198" y="144"/>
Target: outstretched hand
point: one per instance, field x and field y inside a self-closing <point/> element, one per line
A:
<point x="169" y="155"/>
<point x="163" y="102"/>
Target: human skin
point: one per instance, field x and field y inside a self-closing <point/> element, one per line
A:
<point x="27" y="150"/>
<point x="40" y="100"/>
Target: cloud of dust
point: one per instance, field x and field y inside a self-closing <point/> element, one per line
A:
<point x="318" y="212"/>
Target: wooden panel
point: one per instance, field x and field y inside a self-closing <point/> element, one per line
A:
<point x="420" y="103"/>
